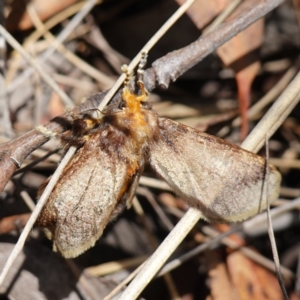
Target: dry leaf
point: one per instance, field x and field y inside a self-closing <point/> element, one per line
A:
<point x="241" y="54"/>
<point x="18" y="19"/>
<point x="221" y="288"/>
<point x="55" y="107"/>
<point x="252" y="281"/>
<point x="203" y="12"/>
<point x="15" y="222"/>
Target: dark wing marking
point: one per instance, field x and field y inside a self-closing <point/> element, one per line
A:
<point x="221" y="179"/>
<point x="85" y="198"/>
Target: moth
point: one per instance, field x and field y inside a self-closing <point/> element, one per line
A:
<point x="221" y="179"/>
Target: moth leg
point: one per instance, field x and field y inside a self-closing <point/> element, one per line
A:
<point x="140" y="77"/>
<point x="45" y="131"/>
<point x="131" y="191"/>
<point x="129" y="76"/>
<point x="140" y="73"/>
<point x="142" y="64"/>
<point x="143" y="97"/>
<point x="82" y="125"/>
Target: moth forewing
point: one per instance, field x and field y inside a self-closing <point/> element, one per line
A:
<point x="95" y="185"/>
<point x="223" y="180"/>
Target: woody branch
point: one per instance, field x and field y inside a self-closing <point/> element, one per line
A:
<point x="165" y="69"/>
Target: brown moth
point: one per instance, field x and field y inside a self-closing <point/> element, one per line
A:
<point x="221" y="179"/>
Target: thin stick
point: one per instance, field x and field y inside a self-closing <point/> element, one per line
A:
<point x="74" y="82"/>
<point x="154" y="183"/>
<point x="285" y="163"/>
<point x="13" y="42"/>
<point x="35" y="162"/>
<point x="19" y="245"/>
<point x="180" y="11"/>
<point x="76" y="20"/>
<point x="28" y="200"/>
<point x="163" y="252"/>
<point x="269" y="123"/>
<point x="297" y="281"/>
<point x="270" y="230"/>
<point x="140" y="212"/>
<point x="56" y="19"/>
<point x="216" y="236"/>
<point x="257" y="220"/>
<point x="116" y="266"/>
<point x="159" y="211"/>
<point x="103" y="79"/>
<point x="84" y="284"/>
<point x="35" y="35"/>
<point x="275" y="115"/>
<point x="118" y="288"/>
<point x="197" y="250"/>
<point x="246" y="227"/>
<point x="271" y="95"/>
<point x="61" y="38"/>
<point x="229" y="9"/>
<point x="167" y="277"/>
<point x="248" y="252"/>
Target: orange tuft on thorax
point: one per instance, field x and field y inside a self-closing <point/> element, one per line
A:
<point x="133" y="101"/>
<point x="133" y="107"/>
